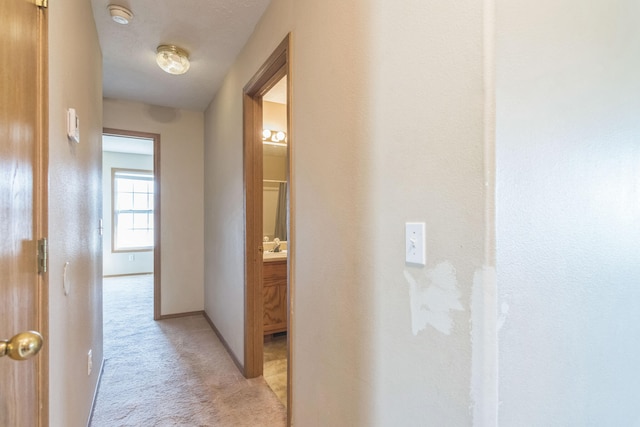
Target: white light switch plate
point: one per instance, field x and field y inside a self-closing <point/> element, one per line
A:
<point x="415" y="243"/>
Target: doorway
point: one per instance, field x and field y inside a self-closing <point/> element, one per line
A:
<point x="275" y="173"/>
<point x="131" y="217"/>
<point x="257" y="272"/>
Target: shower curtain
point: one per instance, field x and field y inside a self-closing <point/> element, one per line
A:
<point x="281" y="213"/>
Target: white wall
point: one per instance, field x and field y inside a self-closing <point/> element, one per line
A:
<point x="181" y="181"/>
<point x="274" y="116"/>
<point x="119" y="263"/>
<point x="75" y="206"/>
<point x="568" y="212"/>
<point x="388" y="110"/>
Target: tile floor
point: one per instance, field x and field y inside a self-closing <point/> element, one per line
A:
<point x="275" y="364"/>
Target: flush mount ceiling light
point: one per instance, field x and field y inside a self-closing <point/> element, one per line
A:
<point x="274" y="137"/>
<point x="120" y="14"/>
<point x="172" y="59"/>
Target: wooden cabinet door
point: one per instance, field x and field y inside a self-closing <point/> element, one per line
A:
<point x="275" y="296"/>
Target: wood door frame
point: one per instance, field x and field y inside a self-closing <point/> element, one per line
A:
<point x="41" y="211"/>
<point x="277" y="66"/>
<point x="157" y="294"/>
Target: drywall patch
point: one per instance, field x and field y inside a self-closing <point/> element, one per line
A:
<point x="484" y="348"/>
<point x="504" y="312"/>
<point x="433" y="297"/>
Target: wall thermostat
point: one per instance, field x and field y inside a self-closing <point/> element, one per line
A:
<point x="73" y="125"/>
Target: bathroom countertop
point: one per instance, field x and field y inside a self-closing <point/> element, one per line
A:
<point x="274" y="256"/>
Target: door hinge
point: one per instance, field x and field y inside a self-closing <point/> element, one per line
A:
<point x="43" y="253"/>
<point x="42" y="3"/>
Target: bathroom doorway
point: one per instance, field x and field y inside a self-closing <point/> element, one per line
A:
<point x="131" y="207"/>
<point x="269" y="264"/>
<point x="275" y="173"/>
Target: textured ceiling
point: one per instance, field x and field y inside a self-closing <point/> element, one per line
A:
<point x="212" y="31"/>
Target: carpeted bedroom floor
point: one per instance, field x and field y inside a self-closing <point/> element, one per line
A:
<point x="172" y="372"/>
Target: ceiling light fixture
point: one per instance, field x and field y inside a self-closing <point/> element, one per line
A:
<point x="120" y="14"/>
<point x="172" y="59"/>
<point x="274" y="137"/>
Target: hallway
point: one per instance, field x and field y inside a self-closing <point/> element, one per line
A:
<point x="172" y="372"/>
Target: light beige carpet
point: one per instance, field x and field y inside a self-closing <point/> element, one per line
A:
<point x="172" y="372"/>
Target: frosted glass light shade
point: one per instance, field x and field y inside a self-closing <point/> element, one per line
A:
<point x="172" y="59"/>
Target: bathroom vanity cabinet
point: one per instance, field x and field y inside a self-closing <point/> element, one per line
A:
<point x="274" y="273"/>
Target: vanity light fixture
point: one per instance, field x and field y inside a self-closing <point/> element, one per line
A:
<point x="274" y="137"/>
<point x="120" y="14"/>
<point x="172" y="59"/>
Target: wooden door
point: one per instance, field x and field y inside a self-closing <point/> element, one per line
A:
<point x="22" y="32"/>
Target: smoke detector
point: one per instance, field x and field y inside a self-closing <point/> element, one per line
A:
<point x="120" y="14"/>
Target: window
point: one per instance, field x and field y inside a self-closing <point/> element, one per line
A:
<point x="132" y="198"/>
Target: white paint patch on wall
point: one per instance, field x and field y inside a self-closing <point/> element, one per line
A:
<point x="484" y="348"/>
<point x="504" y="312"/>
<point x="567" y="235"/>
<point x="432" y="297"/>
